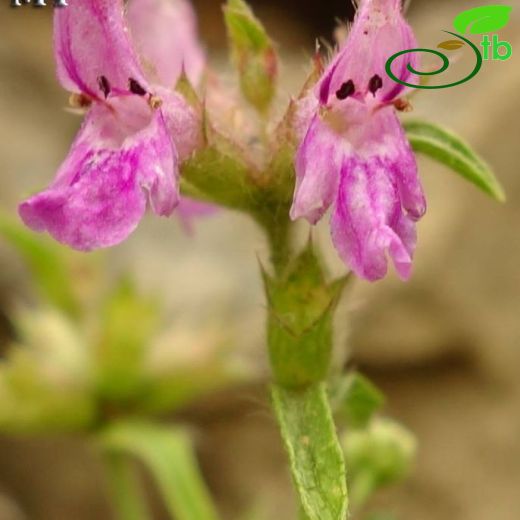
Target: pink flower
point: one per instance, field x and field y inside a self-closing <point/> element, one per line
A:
<point x="165" y="34"/>
<point x="137" y="129"/>
<point x="355" y="156"/>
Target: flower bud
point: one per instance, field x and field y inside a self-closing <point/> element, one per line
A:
<point x="378" y="456"/>
<point x="253" y="54"/>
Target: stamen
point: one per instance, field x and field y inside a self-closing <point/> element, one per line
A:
<point x="79" y="101"/>
<point x="403" y="105"/>
<point x="155" y="102"/>
<point x="104" y="85"/>
<point x="375" y="84"/>
<point x="136" y="88"/>
<point x="346" y="90"/>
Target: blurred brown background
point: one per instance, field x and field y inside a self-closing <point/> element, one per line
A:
<point x="445" y="347"/>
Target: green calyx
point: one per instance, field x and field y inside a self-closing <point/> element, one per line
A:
<point x="301" y="308"/>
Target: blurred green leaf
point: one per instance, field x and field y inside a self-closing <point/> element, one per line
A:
<point x="129" y="322"/>
<point x="183" y="364"/>
<point x="47" y="263"/>
<point x="44" y="383"/>
<point x="484" y="19"/>
<point x="171" y="390"/>
<point x="168" y="454"/>
<point x="380" y="516"/>
<point x="452" y="151"/>
<point x="358" y="399"/>
<point x="253" y="53"/>
<point x="128" y="497"/>
<point x="315" y="455"/>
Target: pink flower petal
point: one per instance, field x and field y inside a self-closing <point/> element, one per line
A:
<point x="165" y="35"/>
<point x="183" y="122"/>
<point x="189" y="210"/>
<point x="90" y="43"/>
<point x="368" y="223"/>
<point x="318" y="162"/>
<point x="100" y="192"/>
<point x="382" y="135"/>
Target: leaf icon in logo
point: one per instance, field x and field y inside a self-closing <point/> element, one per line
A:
<point x="485" y="19"/>
<point x="451" y="45"/>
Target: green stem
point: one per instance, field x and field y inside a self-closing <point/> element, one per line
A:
<point x="299" y="335"/>
<point x="128" y="500"/>
<point x="278" y="235"/>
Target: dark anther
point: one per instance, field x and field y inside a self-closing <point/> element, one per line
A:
<point x="375" y="84"/>
<point x="104" y="85"/>
<point x="135" y="88"/>
<point x="346" y="90"/>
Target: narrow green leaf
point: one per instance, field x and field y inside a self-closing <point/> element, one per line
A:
<point x="317" y="464"/>
<point x="452" y="151"/>
<point x="484" y="19"/>
<point x="168" y="454"/>
<point x="46" y="262"/>
<point x="128" y="498"/>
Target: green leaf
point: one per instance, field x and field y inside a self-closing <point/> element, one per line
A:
<point x="485" y="19"/>
<point x="380" y="516"/>
<point x="122" y="348"/>
<point x="44" y="380"/>
<point x="168" y="454"/>
<point x="452" y="151"/>
<point x="358" y="399"/>
<point x="317" y="464"/>
<point x="174" y="379"/>
<point x="253" y="54"/>
<point x="47" y="263"/>
<point x="451" y="45"/>
<point x="128" y="497"/>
